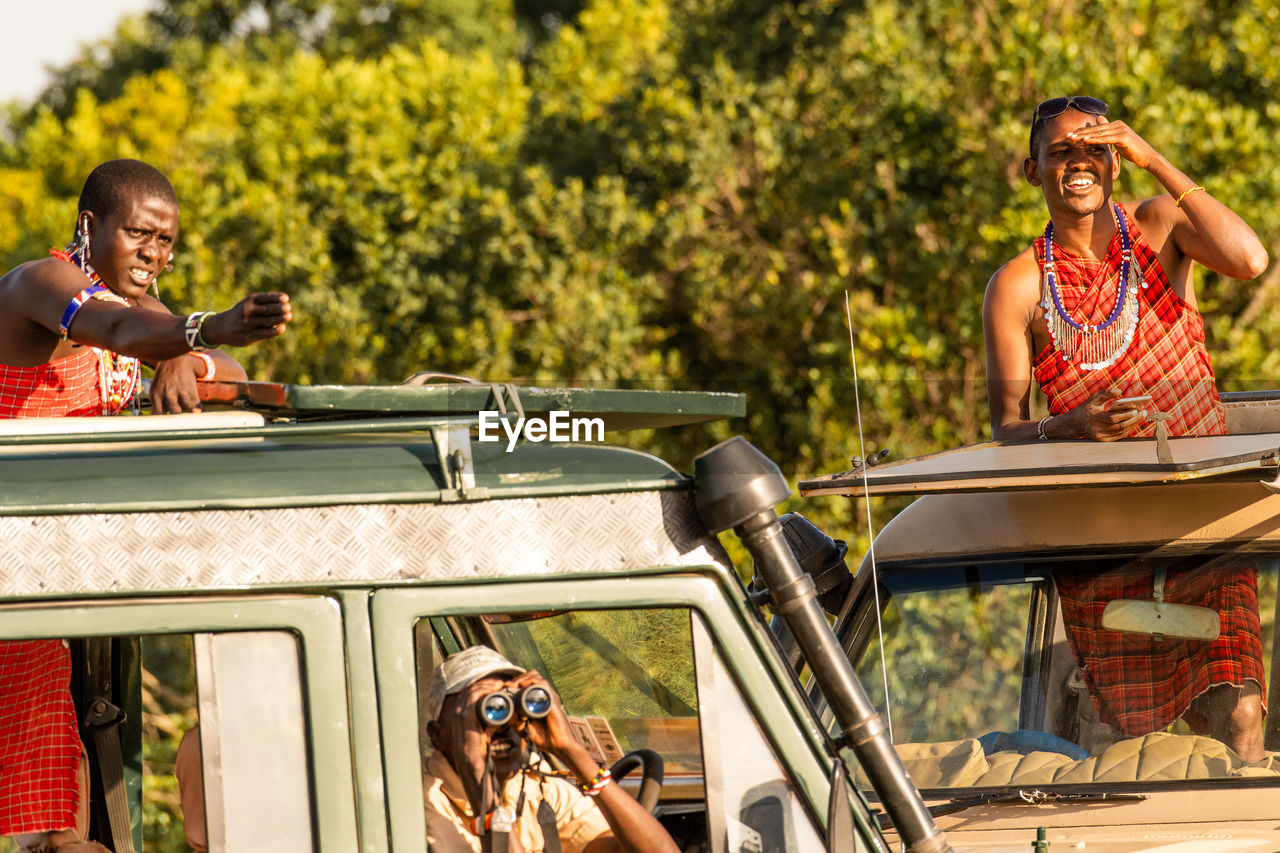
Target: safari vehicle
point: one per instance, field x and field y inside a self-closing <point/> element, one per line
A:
<point x="956" y="627"/>
<point x="309" y="554"/>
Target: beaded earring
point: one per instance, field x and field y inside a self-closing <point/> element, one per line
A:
<point x="82" y="240"/>
<point x="168" y="267"/>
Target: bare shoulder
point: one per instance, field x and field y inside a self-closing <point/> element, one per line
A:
<point x="45" y="278"/>
<point x="1156" y="216"/>
<point x="1016" y="285"/>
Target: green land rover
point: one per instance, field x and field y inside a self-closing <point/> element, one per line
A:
<point x="285" y="570"/>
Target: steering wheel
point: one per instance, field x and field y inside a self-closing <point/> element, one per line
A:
<point x="1031" y="740"/>
<point x="650" y="764"/>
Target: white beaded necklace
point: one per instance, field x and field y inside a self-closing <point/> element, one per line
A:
<point x="1102" y="344"/>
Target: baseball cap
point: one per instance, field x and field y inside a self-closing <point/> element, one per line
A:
<point x="459" y="671"/>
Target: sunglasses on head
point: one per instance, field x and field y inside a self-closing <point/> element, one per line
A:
<point x="1055" y="107"/>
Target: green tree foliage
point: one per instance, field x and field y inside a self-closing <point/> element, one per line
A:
<point x="649" y="192"/>
<point x="675" y="193"/>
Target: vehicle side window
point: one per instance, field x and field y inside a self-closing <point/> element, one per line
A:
<point x="955" y="659"/>
<point x="751" y="803"/>
<point x="224" y="761"/>
<point x="652" y="679"/>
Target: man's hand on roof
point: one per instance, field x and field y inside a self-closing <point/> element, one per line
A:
<point x="1102" y="418"/>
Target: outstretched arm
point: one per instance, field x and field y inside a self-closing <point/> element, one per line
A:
<point x="173" y="388"/>
<point x="155" y="335"/>
<point x="633" y="829"/>
<point x="146" y="331"/>
<point x="1204" y="229"/>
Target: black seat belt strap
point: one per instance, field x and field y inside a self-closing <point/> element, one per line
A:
<point x="102" y="721"/>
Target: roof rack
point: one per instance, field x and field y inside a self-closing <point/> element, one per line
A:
<point x="620" y="409"/>
<point x="257" y="409"/>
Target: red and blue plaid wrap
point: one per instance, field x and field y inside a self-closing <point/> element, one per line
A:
<point x="1166" y="358"/>
<point x="1139" y="684"/>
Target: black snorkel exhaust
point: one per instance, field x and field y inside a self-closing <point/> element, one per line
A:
<point x="738" y="488"/>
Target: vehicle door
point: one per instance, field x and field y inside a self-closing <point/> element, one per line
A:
<point x="249" y="690"/>
<point x="660" y="663"/>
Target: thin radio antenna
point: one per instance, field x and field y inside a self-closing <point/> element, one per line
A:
<point x="866" y="490"/>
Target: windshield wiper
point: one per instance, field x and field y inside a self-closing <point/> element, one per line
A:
<point x="1033" y="797"/>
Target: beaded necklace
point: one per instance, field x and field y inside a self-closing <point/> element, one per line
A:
<point x="1102" y="344"/>
<point x="118" y="375"/>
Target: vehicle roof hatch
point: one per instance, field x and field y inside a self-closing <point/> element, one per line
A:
<point x="995" y="466"/>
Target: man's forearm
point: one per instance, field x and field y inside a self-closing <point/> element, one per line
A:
<point x="152" y="336"/>
<point x="1231" y="247"/>
<point x="634" y="829"/>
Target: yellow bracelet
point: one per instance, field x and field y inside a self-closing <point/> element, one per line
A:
<point x="1185" y="193"/>
<point x="210" y="370"/>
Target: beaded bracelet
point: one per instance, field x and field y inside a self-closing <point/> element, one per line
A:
<point x="193" y="328"/>
<point x="210" y="369"/>
<point x="596" y="785"/>
<point x="1040" y="428"/>
<point x="480" y="825"/>
<point x="1186" y="193"/>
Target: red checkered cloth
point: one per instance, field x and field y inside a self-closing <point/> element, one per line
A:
<point x="1141" y="685"/>
<point x="68" y="387"/>
<point x="39" y="742"/>
<point x="1166" y="359"/>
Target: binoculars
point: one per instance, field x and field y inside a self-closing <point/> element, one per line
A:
<point x="499" y="707"/>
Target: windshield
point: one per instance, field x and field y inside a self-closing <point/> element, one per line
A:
<point x="1089" y="670"/>
<point x="624" y="675"/>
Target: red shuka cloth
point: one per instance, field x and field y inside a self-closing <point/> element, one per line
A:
<point x="1141" y="685"/>
<point x="39" y="741"/>
<point x="1166" y="358"/>
<point x="68" y="387"/>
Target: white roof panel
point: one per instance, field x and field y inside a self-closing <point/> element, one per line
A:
<point x="1054" y="464"/>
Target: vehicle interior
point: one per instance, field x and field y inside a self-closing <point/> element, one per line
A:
<point x="986" y="683"/>
<point x="636" y="681"/>
<point x="1074" y="618"/>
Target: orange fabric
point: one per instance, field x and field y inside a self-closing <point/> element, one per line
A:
<point x="1166" y="359"/>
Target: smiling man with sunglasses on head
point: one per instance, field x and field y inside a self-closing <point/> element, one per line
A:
<point x="1102" y="306"/>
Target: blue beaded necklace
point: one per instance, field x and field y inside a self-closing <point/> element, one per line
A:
<point x="1102" y="344"/>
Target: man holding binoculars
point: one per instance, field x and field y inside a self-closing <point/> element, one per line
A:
<point x="485" y="794"/>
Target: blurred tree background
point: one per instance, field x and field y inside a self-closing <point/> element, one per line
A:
<point x="650" y="193"/>
<point x="666" y="193"/>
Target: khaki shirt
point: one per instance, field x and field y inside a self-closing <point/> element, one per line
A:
<point x="449" y="813"/>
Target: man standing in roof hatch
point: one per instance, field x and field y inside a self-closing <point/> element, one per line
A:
<point x="1101" y="308"/>
<point x="1060" y="308"/>
<point x="74" y="327"/>
<point x="73" y="330"/>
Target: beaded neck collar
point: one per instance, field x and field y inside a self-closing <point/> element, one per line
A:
<point x="1099" y="345"/>
<point x="119" y="376"/>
